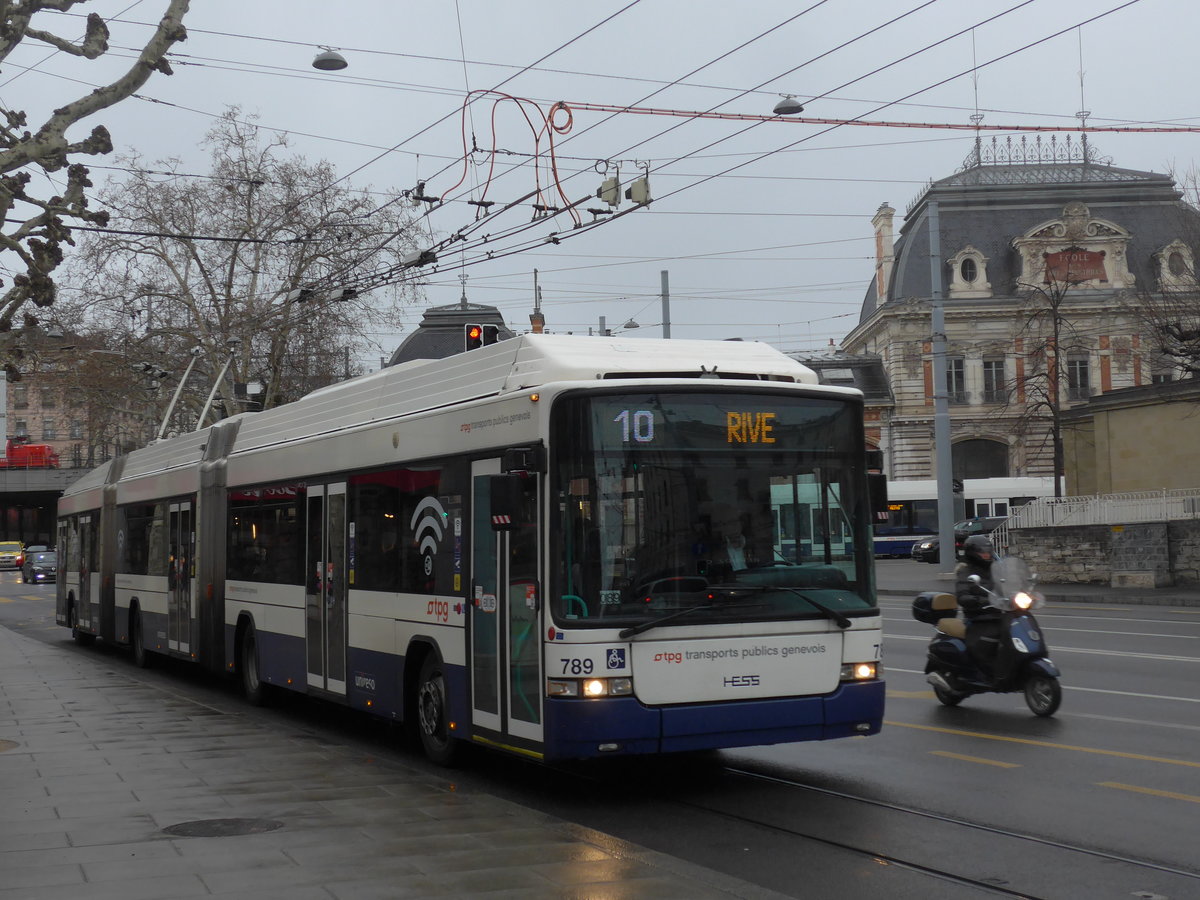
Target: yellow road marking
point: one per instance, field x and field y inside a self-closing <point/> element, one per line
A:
<point x="976" y="759"/>
<point x="920" y="695"/>
<point x="1156" y="793"/>
<point x="1047" y="744"/>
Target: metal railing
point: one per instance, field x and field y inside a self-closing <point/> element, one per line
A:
<point x="1101" y="509"/>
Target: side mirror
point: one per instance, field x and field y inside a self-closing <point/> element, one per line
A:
<point x="510" y="506"/>
<point x="877" y="489"/>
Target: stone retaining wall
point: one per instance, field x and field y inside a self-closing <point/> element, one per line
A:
<point x="1147" y="554"/>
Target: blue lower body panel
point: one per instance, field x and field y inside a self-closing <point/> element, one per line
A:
<point x="576" y="729"/>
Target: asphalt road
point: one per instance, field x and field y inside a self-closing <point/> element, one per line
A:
<point x="980" y="800"/>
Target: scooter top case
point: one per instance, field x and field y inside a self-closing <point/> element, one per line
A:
<point x="931" y="606"/>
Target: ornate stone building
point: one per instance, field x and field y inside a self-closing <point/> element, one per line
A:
<point x="1041" y="254"/>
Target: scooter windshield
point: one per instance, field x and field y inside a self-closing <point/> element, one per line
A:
<point x="1012" y="576"/>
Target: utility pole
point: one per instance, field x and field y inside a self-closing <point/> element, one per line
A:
<point x="941" y="400"/>
<point x="666" y="305"/>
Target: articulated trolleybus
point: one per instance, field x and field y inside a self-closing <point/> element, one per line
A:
<point x="564" y="547"/>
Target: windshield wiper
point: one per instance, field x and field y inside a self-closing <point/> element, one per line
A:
<point x="731" y="590"/>
<point x="654" y="623"/>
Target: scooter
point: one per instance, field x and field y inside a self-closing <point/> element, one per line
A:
<point x="1022" y="660"/>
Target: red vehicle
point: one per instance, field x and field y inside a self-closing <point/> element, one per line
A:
<point x="19" y="455"/>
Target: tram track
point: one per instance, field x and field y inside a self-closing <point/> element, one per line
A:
<point x="957" y="822"/>
<point x="699" y="789"/>
<point x="1070" y="866"/>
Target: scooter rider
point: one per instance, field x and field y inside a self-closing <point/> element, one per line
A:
<point x="982" y="620"/>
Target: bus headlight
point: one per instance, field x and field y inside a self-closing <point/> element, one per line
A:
<point x="862" y="671"/>
<point x="589" y="687"/>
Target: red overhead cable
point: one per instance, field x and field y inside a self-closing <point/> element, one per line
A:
<point x="808" y="120"/>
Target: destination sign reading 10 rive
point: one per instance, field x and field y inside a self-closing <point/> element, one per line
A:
<point x="740" y="427"/>
<point x="690" y="426"/>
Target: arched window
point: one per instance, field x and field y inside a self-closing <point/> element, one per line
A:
<point x="980" y="458"/>
<point x="969" y="270"/>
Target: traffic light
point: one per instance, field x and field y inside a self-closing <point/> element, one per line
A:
<point x="476" y="335"/>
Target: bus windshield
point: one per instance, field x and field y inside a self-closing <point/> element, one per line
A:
<point x="681" y="500"/>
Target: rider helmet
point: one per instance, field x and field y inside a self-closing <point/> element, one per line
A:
<point x="978" y="549"/>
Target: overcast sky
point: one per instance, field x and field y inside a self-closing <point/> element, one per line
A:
<point x="764" y="228"/>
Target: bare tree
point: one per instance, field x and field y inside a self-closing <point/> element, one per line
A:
<point x="1169" y="311"/>
<point x="261" y="255"/>
<point x="36" y="226"/>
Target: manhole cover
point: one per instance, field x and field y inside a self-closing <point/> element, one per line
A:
<point x="8" y="745"/>
<point x="222" y="827"/>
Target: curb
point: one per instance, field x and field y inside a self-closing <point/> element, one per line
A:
<point x="1052" y="597"/>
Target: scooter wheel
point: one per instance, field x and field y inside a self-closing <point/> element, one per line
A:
<point x="1043" y="694"/>
<point x="948" y="698"/>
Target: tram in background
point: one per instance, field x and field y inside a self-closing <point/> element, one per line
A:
<point x="913" y="515"/>
<point x="563" y="547"/>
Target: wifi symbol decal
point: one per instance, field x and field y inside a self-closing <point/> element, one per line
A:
<point x="427" y="528"/>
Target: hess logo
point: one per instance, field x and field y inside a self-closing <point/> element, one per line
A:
<point x="741" y="681"/>
<point x="438" y="609"/>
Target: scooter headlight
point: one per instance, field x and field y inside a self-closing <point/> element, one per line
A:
<point x="1022" y="600"/>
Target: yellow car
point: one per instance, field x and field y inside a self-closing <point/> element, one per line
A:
<point x="12" y="554"/>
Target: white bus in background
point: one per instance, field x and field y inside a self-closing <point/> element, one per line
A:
<point x="913" y="514"/>
<point x="513" y="546"/>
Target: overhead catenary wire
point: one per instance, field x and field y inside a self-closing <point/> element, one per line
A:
<point x="844" y="44"/>
<point x="659" y="211"/>
<point x="491" y="255"/>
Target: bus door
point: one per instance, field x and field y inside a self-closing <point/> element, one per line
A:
<point x="84" y="615"/>
<point x="181" y="539"/>
<point x="506" y="658"/>
<point x="325" y="587"/>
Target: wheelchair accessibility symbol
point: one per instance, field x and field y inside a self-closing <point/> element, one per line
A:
<point x="616" y="658"/>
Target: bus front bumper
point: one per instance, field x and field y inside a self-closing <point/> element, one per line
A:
<point x="619" y="726"/>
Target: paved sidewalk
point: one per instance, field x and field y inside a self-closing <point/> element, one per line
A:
<point x="116" y="788"/>
<point x="906" y="578"/>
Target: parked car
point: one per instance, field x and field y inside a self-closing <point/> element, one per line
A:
<point x="12" y="554"/>
<point x="40" y="567"/>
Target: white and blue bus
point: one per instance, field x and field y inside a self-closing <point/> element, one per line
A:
<point x="912" y="513"/>
<point x="524" y="546"/>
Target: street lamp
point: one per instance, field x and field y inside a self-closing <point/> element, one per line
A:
<point x="788" y="106"/>
<point x="329" y="60"/>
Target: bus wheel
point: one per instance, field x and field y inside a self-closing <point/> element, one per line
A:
<point x="141" y="658"/>
<point x="253" y="689"/>
<point x="434" y="729"/>
<point x="82" y="638"/>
